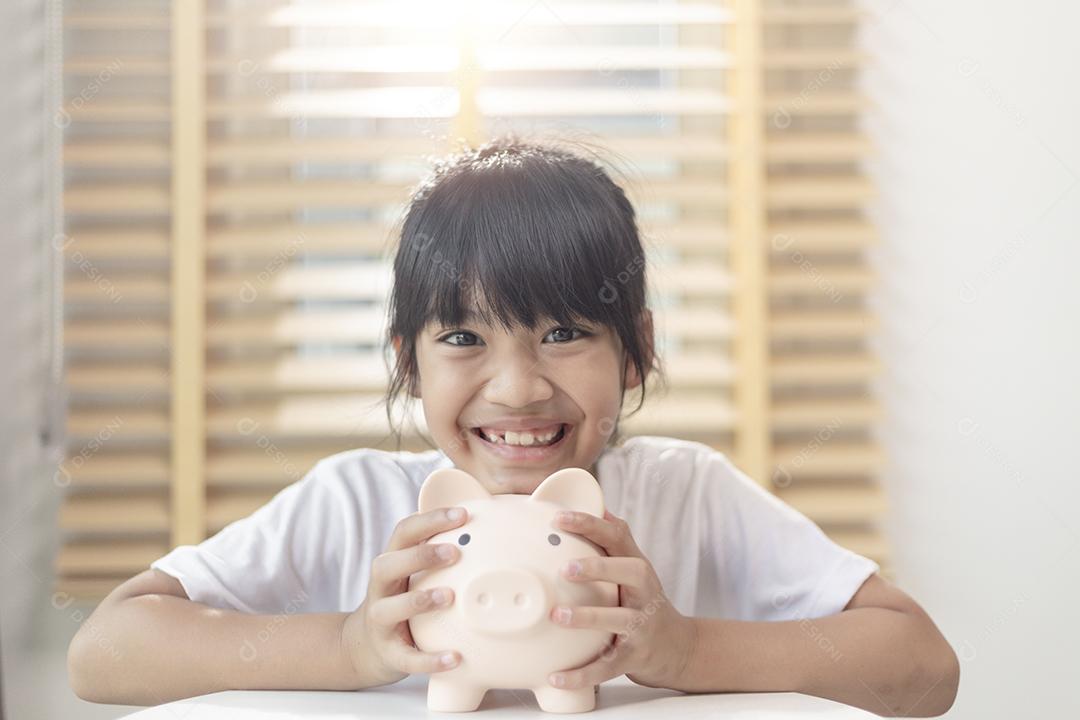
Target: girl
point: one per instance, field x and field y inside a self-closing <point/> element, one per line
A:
<point x="518" y="318"/>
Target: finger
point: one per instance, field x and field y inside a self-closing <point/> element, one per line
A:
<point x="608" y="619"/>
<point x="418" y="527"/>
<point x="610" y="532"/>
<point x="631" y="572"/>
<point x="390" y="571"/>
<point x="407" y="659"/>
<point x="389" y="611"/>
<point x="610" y="663"/>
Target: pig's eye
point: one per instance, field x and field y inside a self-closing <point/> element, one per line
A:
<point x="464" y="539"/>
<point x="554" y="539"/>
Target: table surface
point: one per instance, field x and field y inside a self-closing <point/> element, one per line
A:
<point x="618" y="697"/>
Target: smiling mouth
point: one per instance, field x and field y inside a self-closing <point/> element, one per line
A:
<point x="521" y="440"/>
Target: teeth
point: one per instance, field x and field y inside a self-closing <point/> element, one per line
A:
<point x="522" y="439"/>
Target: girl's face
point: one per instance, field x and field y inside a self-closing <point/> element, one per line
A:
<point x="479" y="382"/>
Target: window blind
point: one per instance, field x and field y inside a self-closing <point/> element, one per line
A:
<point x="234" y="175"/>
<point x="117" y="165"/>
<point x="825" y="459"/>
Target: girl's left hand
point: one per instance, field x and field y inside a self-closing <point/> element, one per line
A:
<point x="653" y="641"/>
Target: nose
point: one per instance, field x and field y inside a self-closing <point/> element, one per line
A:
<point x="518" y="383"/>
<point x="505" y="601"/>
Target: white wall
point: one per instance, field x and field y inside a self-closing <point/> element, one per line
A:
<point x="977" y="122"/>
<point x="30" y="439"/>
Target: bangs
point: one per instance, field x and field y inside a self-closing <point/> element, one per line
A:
<point x="518" y="242"/>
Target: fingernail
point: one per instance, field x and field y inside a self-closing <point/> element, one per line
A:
<point x="447" y="659"/>
<point x="445" y="551"/>
<point x="438" y="596"/>
<point x="563" y="615"/>
<point x="455" y="514"/>
<point x="573" y="568"/>
<point x="558" y="680"/>
<point x="566" y="517"/>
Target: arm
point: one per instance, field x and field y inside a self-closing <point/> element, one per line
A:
<point x="147" y="643"/>
<point x="883" y="653"/>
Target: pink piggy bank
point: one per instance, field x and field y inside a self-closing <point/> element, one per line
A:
<point x="505" y="584"/>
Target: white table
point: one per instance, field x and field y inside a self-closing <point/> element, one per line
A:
<point x="619" y="697"/>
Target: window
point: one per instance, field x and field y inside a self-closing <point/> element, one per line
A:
<point x="229" y="206"/>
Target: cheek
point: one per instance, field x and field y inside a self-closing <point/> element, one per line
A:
<point x="594" y="382"/>
<point x="442" y="407"/>
<point x="597" y="395"/>
<point x="443" y="429"/>
<point x="445" y="370"/>
<point x="443" y="394"/>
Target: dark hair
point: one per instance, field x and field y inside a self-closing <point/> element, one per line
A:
<point x="518" y="232"/>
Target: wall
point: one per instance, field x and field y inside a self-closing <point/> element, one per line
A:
<point x="30" y="408"/>
<point x="975" y="117"/>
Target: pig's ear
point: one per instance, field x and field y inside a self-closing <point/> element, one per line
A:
<point x="574" y="489"/>
<point x="447" y="487"/>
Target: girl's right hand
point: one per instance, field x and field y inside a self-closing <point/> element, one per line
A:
<point x="376" y="635"/>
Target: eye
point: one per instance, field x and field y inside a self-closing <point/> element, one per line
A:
<point x="464" y="539"/>
<point x="554" y="539"/>
<point x="565" y="334"/>
<point x="464" y="338"/>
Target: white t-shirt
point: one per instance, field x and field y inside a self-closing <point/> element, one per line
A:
<point x="721" y="545"/>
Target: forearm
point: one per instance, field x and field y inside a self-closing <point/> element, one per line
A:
<point x="154" y="648"/>
<point x="882" y="660"/>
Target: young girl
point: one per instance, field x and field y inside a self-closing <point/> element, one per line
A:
<point x="518" y="318"/>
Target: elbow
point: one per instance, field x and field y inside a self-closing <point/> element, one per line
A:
<point x="935" y="681"/>
<point x="100" y="657"/>
<point x="88" y="660"/>
<point x="947" y="667"/>
<point x="79" y="666"/>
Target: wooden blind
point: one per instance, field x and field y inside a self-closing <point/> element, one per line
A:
<point x="116" y="114"/>
<point x="824" y="456"/>
<point x="231" y="187"/>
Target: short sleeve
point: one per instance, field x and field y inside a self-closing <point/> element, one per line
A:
<point x="273" y="561"/>
<point x="772" y="562"/>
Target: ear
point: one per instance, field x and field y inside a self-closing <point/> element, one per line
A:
<point x="447" y="487"/>
<point x="632" y="377"/>
<point x="574" y="489"/>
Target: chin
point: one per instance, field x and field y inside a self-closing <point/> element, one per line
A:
<point x="515" y="482"/>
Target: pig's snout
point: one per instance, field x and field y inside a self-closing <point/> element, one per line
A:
<point x="505" y="601"/>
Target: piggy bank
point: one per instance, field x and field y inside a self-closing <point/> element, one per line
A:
<point x="506" y="582"/>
